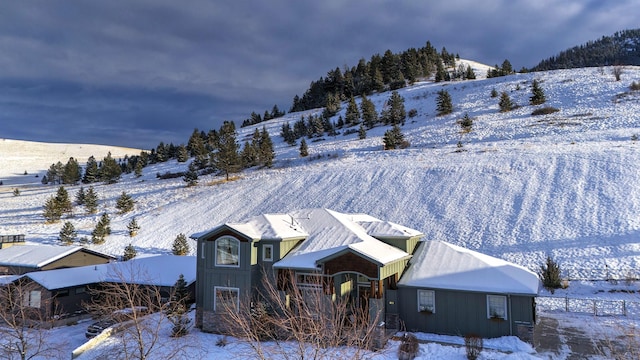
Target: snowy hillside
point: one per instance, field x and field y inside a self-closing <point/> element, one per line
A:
<point x="564" y="184"/>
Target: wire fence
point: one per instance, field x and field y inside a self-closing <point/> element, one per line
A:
<point x="597" y="307"/>
<point x="599" y="274"/>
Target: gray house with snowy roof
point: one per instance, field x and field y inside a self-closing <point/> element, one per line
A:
<point x="375" y="264"/>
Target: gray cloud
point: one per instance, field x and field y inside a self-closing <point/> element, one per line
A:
<point x="163" y="67"/>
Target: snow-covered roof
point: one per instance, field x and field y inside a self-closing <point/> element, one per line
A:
<point x="264" y="227"/>
<point x="37" y="256"/>
<point x="440" y="265"/>
<point x="161" y="270"/>
<point x="331" y="232"/>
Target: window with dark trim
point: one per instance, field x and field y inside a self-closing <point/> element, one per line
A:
<point x="228" y="252"/>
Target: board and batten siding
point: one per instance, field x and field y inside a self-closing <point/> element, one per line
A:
<point x="462" y="312"/>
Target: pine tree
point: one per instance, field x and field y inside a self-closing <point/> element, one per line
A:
<point x="133" y="227"/>
<point x="138" y="169"/>
<point x="368" y="111"/>
<point x="80" y="196"/>
<point x="393" y="138"/>
<point x="182" y="154"/>
<point x="177" y="311"/>
<point x="466" y="123"/>
<point x="52" y="212"/>
<point x="505" y="102"/>
<point x="494" y="93"/>
<point x="332" y="106"/>
<point x="443" y="103"/>
<point x="550" y="274"/>
<point x="124" y="203"/>
<point x="72" y="172"/>
<point x="191" y="176"/>
<point x="102" y="229"/>
<point x="110" y="171"/>
<point x="91" y="173"/>
<point x="91" y="201"/>
<point x="362" y="132"/>
<point x="180" y="245"/>
<point x="227" y="159"/>
<point x="352" y="115"/>
<point x="395" y="112"/>
<point x="537" y="96"/>
<point x="129" y="253"/>
<point x="62" y="200"/>
<point x="16" y="192"/>
<point x="304" y="150"/>
<point x="266" y="154"/>
<point x="68" y="233"/>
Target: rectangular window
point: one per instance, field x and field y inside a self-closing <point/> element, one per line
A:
<point x="81" y="290"/>
<point x="427" y="301"/>
<point x="202" y="255"/>
<point x="496" y="307"/>
<point x="228" y="252"/>
<point x="226" y="299"/>
<point x="267" y="253"/>
<point x="32" y="299"/>
<point x="305" y="280"/>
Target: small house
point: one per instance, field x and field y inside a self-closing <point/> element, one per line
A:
<point x="21" y="259"/>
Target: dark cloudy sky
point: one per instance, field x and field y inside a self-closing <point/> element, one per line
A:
<point x="137" y="72"/>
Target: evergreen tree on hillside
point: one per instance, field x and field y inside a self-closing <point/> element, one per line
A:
<point x="91" y="173"/>
<point x="362" y="132"/>
<point x="138" y="169"/>
<point x="124" y="203"/>
<point x="443" y="103"/>
<point x="226" y="158"/>
<point x="133" y="227"/>
<point x="352" y="115"/>
<point x="129" y="253"/>
<point x="55" y="172"/>
<point x="62" y="200"/>
<point x="537" y="94"/>
<point x="102" y="229"/>
<point x="180" y="245"/>
<point x="368" y="111"/>
<point x="182" y="154"/>
<point x="249" y="155"/>
<point x="505" y="103"/>
<point x="266" y="153"/>
<point x="91" y="201"/>
<point x="110" y="171"/>
<point x="80" y="196"/>
<point x="68" y="233"/>
<point x="395" y="112"/>
<point x="191" y="176"/>
<point x="52" y="212"/>
<point x="304" y="150"/>
<point x="393" y="138"/>
<point x="332" y="106"/>
<point x="72" y="172"/>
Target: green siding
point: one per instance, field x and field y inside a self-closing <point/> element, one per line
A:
<point x="393" y="268"/>
<point x="459" y="313"/>
<point x="405" y="244"/>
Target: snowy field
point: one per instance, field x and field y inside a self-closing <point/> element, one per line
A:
<point x="523" y="187"/>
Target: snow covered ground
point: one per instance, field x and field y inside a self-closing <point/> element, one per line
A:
<point x="523" y="187"/>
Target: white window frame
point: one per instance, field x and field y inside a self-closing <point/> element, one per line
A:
<point x="264" y="252"/>
<point x="495" y="301"/>
<point x="429" y="304"/>
<point x="217" y="242"/>
<point x="202" y="250"/>
<point x="229" y="289"/>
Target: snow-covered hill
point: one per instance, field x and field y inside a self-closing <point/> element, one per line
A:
<point x="521" y="186"/>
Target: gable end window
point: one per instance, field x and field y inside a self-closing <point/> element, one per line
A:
<point x="267" y="252"/>
<point x="31" y="298"/>
<point x="226" y="299"/>
<point x="427" y="301"/>
<point x="228" y="252"/>
<point x="497" y="307"/>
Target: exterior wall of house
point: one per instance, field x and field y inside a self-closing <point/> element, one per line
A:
<point x="209" y="276"/>
<point x="461" y="313"/>
<point x="78" y="258"/>
<point x="406" y="245"/>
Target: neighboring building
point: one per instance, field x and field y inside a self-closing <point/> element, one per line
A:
<point x="10" y="240"/>
<point x="451" y="290"/>
<point x="64" y="292"/>
<point x="358" y="257"/>
<point x="21" y="259"/>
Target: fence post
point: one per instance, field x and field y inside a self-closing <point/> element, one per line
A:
<point x="595" y="308"/>
<point x="624" y="307"/>
<point x="566" y="304"/>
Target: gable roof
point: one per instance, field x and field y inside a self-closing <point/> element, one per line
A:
<point x="440" y="265"/>
<point x="37" y="256"/>
<point x="161" y="270"/>
<point x="331" y="232"/>
<point x="263" y="227"/>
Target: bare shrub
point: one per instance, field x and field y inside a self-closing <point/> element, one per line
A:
<point x="617" y="72"/>
<point x="473" y="344"/>
<point x="409" y="347"/>
<point x="296" y="322"/>
<point x="24" y="316"/>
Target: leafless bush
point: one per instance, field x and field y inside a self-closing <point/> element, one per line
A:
<point x="409" y="347"/>
<point x="300" y="322"/>
<point x="139" y="311"/>
<point x="473" y="344"/>
<point x="617" y="72"/>
<point x="24" y="322"/>
<point x="545" y="110"/>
